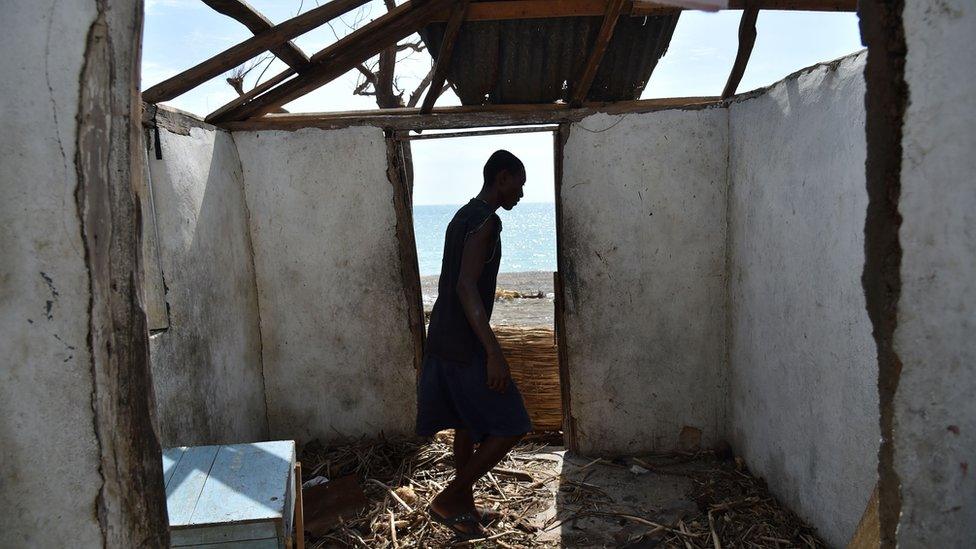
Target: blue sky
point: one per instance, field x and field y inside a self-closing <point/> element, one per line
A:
<point x="181" y="33"/>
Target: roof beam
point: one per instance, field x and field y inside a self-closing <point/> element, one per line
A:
<point x="444" y="56"/>
<point x="257" y="23"/>
<point x="614" y="7"/>
<point x="747" y="39"/>
<point x="474" y="116"/>
<point x="541" y="9"/>
<point x="234" y="56"/>
<point x="342" y="56"/>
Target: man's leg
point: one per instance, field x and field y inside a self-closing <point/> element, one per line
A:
<point x="454" y="498"/>
<point x="463" y="449"/>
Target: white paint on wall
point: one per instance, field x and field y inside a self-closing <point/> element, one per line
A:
<point x="49" y="456"/>
<point x="644" y="223"/>
<point x="207" y="365"/>
<point x="338" y="354"/>
<point x="804" y="404"/>
<point x="935" y="406"/>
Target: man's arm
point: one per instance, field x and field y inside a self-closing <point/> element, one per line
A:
<point x="477" y="250"/>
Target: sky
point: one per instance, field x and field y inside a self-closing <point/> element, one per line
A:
<point x="181" y="33"/>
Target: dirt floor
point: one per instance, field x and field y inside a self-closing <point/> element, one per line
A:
<point x="549" y="498"/>
<point x="511" y="311"/>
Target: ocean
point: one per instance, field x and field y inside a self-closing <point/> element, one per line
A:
<point x="528" y="237"/>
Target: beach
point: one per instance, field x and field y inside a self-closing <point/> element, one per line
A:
<point x="511" y="311"/>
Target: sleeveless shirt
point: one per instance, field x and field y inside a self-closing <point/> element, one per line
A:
<point x="449" y="335"/>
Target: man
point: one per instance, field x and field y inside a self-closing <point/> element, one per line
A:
<point x="464" y="384"/>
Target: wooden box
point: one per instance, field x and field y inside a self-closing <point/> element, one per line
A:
<point x="240" y="495"/>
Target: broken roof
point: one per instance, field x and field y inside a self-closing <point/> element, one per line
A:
<point x="512" y="52"/>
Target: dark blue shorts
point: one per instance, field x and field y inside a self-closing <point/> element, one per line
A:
<point x="455" y="395"/>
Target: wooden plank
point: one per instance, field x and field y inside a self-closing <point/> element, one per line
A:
<point x="186" y="483"/>
<point x="444" y="56"/>
<point x="747" y="39"/>
<point x="343" y="55"/>
<point x="610" y="17"/>
<point x="257" y="23"/>
<point x="248" y="482"/>
<point x="462" y="117"/>
<point x="542" y="9"/>
<point x="194" y="536"/>
<point x="235" y="55"/>
<point x="249" y="544"/>
<point x="396" y="172"/>
<point x="499" y="131"/>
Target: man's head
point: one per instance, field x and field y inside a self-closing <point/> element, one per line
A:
<point x="505" y="175"/>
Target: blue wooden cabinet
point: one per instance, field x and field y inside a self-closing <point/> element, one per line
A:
<point x="240" y="495"/>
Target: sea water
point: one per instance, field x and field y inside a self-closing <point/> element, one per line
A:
<point x="528" y="237"/>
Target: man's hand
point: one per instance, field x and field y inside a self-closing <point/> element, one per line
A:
<point x="498" y="372"/>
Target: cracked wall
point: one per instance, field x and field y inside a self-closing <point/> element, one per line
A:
<point x="76" y="406"/>
<point x="207" y="366"/>
<point x="712" y="280"/>
<point x="933" y="409"/>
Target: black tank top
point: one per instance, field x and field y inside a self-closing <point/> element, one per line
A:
<point x="449" y="335"/>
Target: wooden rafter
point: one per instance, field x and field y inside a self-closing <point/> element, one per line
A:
<point x="234" y="56"/>
<point x="257" y="23"/>
<point x="473" y="116"/>
<point x="747" y="39"/>
<point x="582" y="87"/>
<point x="539" y="9"/>
<point x="444" y="56"/>
<point x="343" y="55"/>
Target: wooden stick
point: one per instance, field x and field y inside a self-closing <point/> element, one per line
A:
<point x="393" y="535"/>
<point x="711" y="526"/>
<point x="614" y="7"/>
<point x="444" y="56"/>
<point x="299" y="509"/>
<point x="257" y="23"/>
<point x="235" y="55"/>
<point x="747" y="39"/>
<point x="335" y="60"/>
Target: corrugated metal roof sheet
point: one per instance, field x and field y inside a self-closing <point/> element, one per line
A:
<point x="538" y="60"/>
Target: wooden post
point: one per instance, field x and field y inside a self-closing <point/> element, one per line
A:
<point x="569" y="429"/>
<point x="299" y="509"/>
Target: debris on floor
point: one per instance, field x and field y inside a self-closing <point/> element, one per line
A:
<point x="548" y="498"/>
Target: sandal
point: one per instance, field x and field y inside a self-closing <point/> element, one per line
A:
<point x="488" y="516"/>
<point x="461" y="518"/>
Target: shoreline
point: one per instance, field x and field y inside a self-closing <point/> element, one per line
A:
<point x="514" y="311"/>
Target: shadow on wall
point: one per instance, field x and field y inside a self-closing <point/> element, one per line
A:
<point x="207" y="368"/>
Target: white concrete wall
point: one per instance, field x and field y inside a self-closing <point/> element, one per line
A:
<point x="935" y="406"/>
<point x="207" y="365"/>
<point x="73" y="371"/>
<point x="338" y="354"/>
<point x="804" y="404"/>
<point x="46" y="418"/>
<point x="644" y="222"/>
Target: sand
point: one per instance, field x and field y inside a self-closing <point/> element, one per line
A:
<point x="511" y="312"/>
